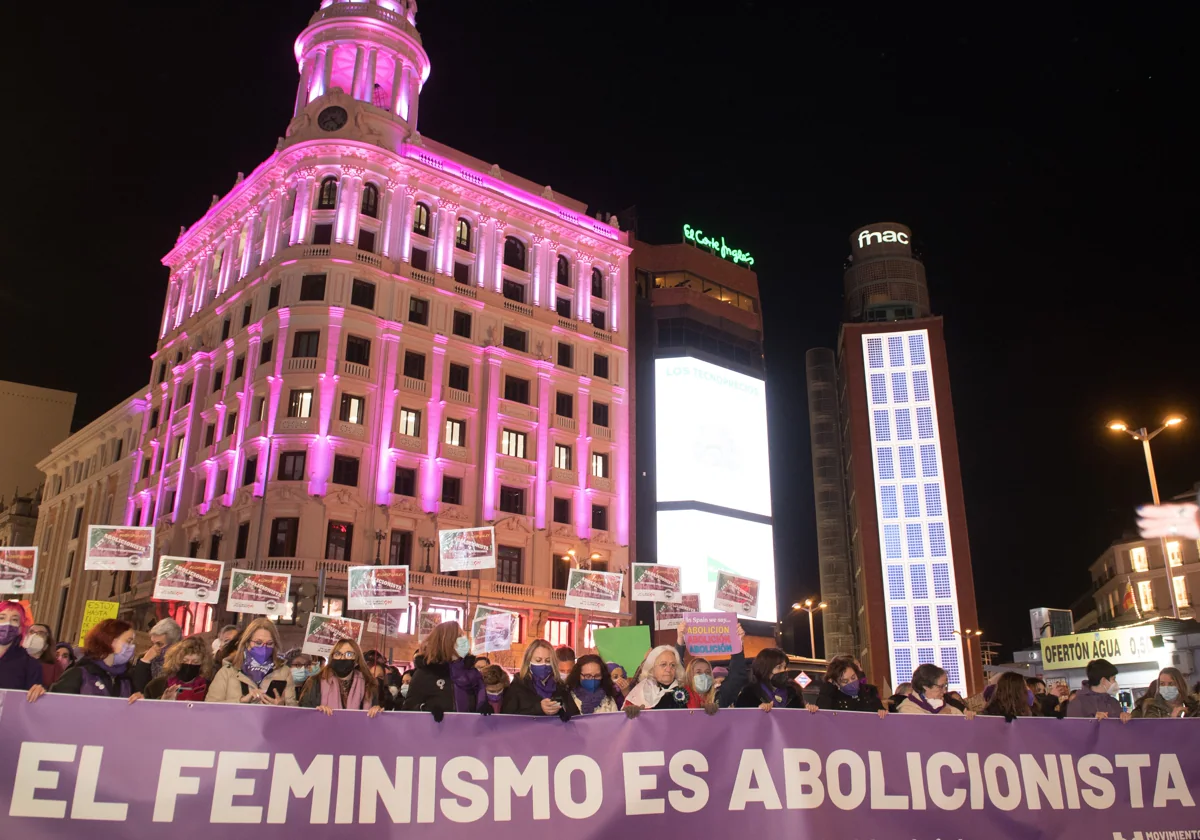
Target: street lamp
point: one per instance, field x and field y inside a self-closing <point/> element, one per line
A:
<point x="1145" y="437"/>
<point x="966" y="637"/>
<point x="808" y="607"/>
<point x="427" y="543"/>
<point x="379" y="535"/>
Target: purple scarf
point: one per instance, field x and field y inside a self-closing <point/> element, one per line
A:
<point x="777" y="697"/>
<point x="919" y="700"/>
<point x="589" y="701"/>
<point x="331" y="693"/>
<point x="468" y="684"/>
<point x="544" y="690"/>
<point x="255" y="671"/>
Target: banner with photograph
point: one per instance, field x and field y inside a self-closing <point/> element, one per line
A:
<point x="18" y="569"/>
<point x="425" y="625"/>
<point x="467" y="549"/>
<point x="492" y="632"/>
<point x="671" y="616"/>
<point x="325" y="631"/>
<point x="736" y="594"/>
<point x="483" y="611"/>
<point x="378" y="588"/>
<point x="588" y="590"/>
<point x="119" y="547"/>
<point x="188" y="579"/>
<point x="261" y="593"/>
<point x="652" y="582"/>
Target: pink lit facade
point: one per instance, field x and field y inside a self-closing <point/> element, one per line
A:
<point x="373" y="337"/>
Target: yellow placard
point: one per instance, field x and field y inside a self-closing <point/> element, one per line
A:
<point x="93" y="613"/>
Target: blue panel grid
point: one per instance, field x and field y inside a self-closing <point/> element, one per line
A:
<point x="912" y="507"/>
<point x="919" y="580"/>
<point x="916" y="543"/>
<point x="950" y="665"/>
<point x="922" y="628"/>
<point x="925" y="655"/>
<point x="899" y="624"/>
<point x="883" y="461"/>
<point x="903" y="424"/>
<point x="916" y="349"/>
<point x="941" y="581"/>
<point x="895" y="351"/>
<point x="879" y="389"/>
<point x="883" y="427"/>
<point x="875" y="352"/>
<point x="937" y="539"/>
<point x="899" y="388"/>
<point x="929" y="461"/>
<point x="921" y="386"/>
<point x="908" y="464"/>
<point x="887" y="500"/>
<point x="945" y="614"/>
<point x="925" y="422"/>
<point x="933" y="499"/>
<point x="895" y="576"/>
<point x="904" y="665"/>
<point x="891" y="541"/>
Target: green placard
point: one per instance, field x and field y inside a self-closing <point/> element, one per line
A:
<point x="627" y="646"/>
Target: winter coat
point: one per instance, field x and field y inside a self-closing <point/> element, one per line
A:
<point x="521" y="698"/>
<point x="608" y="704"/>
<point x="908" y="707"/>
<point x="229" y="684"/>
<point x="433" y="687"/>
<point x="19" y="670"/>
<point x="1088" y="702"/>
<point x="1156" y="707"/>
<point x="89" y="678"/>
<point x="832" y="697"/>
<point x="751" y="697"/>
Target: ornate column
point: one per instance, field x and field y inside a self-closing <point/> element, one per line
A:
<point x="304" y="199"/>
<point x="386" y="391"/>
<point x="552" y="276"/>
<point x="271" y="225"/>
<point x="388" y="211"/>
<point x="369" y="82"/>
<point x="306" y="72"/>
<point x="498" y="251"/>
<point x="543" y="443"/>
<point x="583" y="466"/>
<point x="322" y="466"/>
<point x="616" y="292"/>
<point x="203" y="280"/>
<point x="346" y="229"/>
<point x="250" y="226"/>
<point x="448" y="213"/>
<point x="487" y="476"/>
<point x="537" y="273"/>
<point x="481" y="250"/>
<point x="229" y="260"/>
<point x="414" y="98"/>
<point x="356" y="82"/>
<point x="172" y="293"/>
<point x="410" y="199"/>
<point x="583" y="287"/>
<point x="404" y="92"/>
<point x="431" y="480"/>
<point x="620" y="471"/>
<point x="327" y="68"/>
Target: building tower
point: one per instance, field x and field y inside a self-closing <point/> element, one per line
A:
<point x="373" y="337"/>
<point x="905" y="520"/>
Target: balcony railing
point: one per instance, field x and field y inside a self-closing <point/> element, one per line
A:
<point x="456" y="453"/>
<point x="368" y="258"/>
<point x="462" y="397"/>
<point x="566" y="423"/>
<point x="519" y="308"/>
<point x="302" y="363"/>
<point x="604" y="485"/>
<point x="601" y="432"/>
<point x="422" y="276"/>
<point x="409" y="383"/>
<point x="355" y="369"/>
<point x="568" y="324"/>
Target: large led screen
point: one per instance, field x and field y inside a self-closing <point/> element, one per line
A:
<point x="702" y="544"/>
<point x="711" y="436"/>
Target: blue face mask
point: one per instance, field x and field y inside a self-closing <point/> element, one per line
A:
<point x="852" y="689"/>
<point x="1168" y="692"/>
<point x="299" y="675"/>
<point x="541" y="673"/>
<point x="702" y="683"/>
<point x="590" y="685"/>
<point x="462" y="645"/>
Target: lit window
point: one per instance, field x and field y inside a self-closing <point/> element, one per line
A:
<point x="179" y="442"/>
<point x="1137" y="559"/>
<point x="332" y="606"/>
<point x="462" y="235"/>
<point x="300" y="404"/>
<point x="1146" y="595"/>
<point x="1181" y="592"/>
<point x="410" y="422"/>
<point x="421" y="219"/>
<point x="562" y="457"/>
<point x="600" y="464"/>
<point x="589" y="633"/>
<point x="352" y="409"/>
<point x="1174" y="554"/>
<point x="455" y="432"/>
<point x="512" y="444"/>
<point x="557" y="632"/>
<point x="445" y="614"/>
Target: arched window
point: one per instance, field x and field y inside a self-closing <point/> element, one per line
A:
<point x="564" y="271"/>
<point x="421" y="219"/>
<point x="514" y="252"/>
<point x="370" y="202"/>
<point x="462" y="235"/>
<point x="327" y="198"/>
<point x="597" y="283"/>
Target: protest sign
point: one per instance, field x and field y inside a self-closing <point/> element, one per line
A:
<point x="467" y="549"/>
<point x="73" y="766"/>
<point x="483" y="611"/>
<point x="378" y="587"/>
<point x="428" y="621"/>
<point x="711" y="634"/>
<point x="262" y="593"/>
<point x="588" y="590"/>
<point x="18" y="569"/>
<point x="670" y="616"/>
<point x="492" y="632"/>
<point x="188" y="579"/>
<point x="325" y="631"/>
<point x="119" y="547"/>
<point x="652" y="582"/>
<point x="627" y="646"/>
<point x="736" y="594"/>
<point x="93" y="613"/>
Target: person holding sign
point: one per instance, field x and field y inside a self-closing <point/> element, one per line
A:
<point x="700" y="681"/>
<point x="770" y="686"/>
<point x="445" y="678"/>
<point x="345" y="683"/>
<point x="538" y="689"/>
<point x="104" y="670"/>
<point x="254" y="673"/>
<point x="18" y="670"/>
<point x="846" y="689"/>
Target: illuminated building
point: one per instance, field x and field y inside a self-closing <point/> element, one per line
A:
<point x="703" y="494"/>
<point x="33" y="420"/>
<point x="373" y="337"/>
<point x="892" y="535"/>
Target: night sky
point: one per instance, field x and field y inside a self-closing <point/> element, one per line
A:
<point x="1041" y="161"/>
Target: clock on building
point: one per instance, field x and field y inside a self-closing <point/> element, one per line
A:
<point x="332" y="118"/>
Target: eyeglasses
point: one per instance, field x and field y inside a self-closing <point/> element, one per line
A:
<point x="942" y="686"/>
<point x="254" y="644"/>
<point x="346" y="654"/>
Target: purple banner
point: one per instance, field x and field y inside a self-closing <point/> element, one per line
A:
<point x="73" y="767"/>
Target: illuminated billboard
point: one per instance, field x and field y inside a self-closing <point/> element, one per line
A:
<point x="703" y="544"/>
<point x="711" y="436"/>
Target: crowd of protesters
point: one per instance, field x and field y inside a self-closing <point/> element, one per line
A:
<point x="247" y="665"/>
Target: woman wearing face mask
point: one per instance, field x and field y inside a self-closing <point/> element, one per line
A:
<point x="301" y="666"/>
<point x="928" y="695"/>
<point x="591" y="687"/>
<point x="770" y="686"/>
<point x="39" y="643"/>
<point x="345" y="683"/>
<point x="846" y="689"/>
<point x="495" y="682"/>
<point x="445" y="678"/>
<point x="253" y="673"/>
<point x="104" y="669"/>
<point x="377" y="665"/>
<point x="659" y="686"/>
<point x="1168" y="698"/>
<point x="719" y="694"/>
<point x="65" y="654"/>
<point x="538" y="689"/>
<point x="18" y="670"/>
<point x="187" y="668"/>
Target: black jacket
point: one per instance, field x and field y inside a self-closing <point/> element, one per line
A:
<point x="751" y="698"/>
<point x="521" y="698"/>
<point x="432" y="688"/>
<point x="99" y="682"/>
<point x="832" y="697"/>
<point x="735" y="680"/>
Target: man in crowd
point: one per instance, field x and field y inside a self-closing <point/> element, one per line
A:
<point x="1097" y="699"/>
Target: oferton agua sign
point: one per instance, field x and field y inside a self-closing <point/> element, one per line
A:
<point x="1120" y="647"/>
<point x="697" y="237"/>
<point x="874" y="237"/>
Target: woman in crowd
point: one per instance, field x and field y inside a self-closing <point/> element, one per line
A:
<point x="659" y="686"/>
<point x="225" y="644"/>
<point x="65" y="654"/>
<point x="445" y="679"/>
<point x="18" y="670"/>
<point x="301" y="666"/>
<point x="163" y="635"/>
<point x="1011" y="698"/>
<point x="253" y="672"/>
<point x="39" y="643"/>
<point x="770" y="686"/>
<point x="346" y="683"/>
<point x="928" y="694"/>
<point x="377" y="665"/>
<point x="495" y="681"/>
<point x="538" y="690"/>
<point x="902" y="690"/>
<point x="591" y="686"/>
<point x="187" y="668"/>
<point x="1168" y="698"/>
<point x="846" y="689"/>
<point x="715" y="694"/>
<point x="104" y="669"/>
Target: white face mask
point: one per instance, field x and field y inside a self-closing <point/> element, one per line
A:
<point x="35" y="644"/>
<point x="216" y="645"/>
<point x="1113" y="688"/>
<point x="404" y="690"/>
<point x="394" y="690"/>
